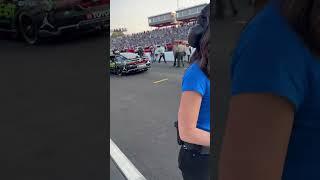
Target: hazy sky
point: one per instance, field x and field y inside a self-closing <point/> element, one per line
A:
<point x="133" y="14"/>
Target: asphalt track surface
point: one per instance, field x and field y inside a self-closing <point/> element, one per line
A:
<point x="143" y="108"/>
<point x="53" y="104"/>
<point x="115" y="173"/>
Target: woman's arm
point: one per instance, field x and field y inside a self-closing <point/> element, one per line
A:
<point x="257" y="134"/>
<point x="187" y="119"/>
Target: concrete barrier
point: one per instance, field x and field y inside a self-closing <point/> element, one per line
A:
<point x="169" y="56"/>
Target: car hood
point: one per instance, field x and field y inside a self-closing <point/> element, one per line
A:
<point x="128" y="61"/>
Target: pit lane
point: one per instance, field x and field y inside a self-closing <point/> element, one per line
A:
<point x="143" y="108"/>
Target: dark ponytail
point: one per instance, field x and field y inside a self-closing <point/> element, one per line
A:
<point x="201" y="55"/>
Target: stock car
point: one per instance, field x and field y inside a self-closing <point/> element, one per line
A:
<point x="123" y="64"/>
<point x="32" y="19"/>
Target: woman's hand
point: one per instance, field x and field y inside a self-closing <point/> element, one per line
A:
<point x="187" y="119"/>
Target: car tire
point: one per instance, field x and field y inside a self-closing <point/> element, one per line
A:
<point x="119" y="72"/>
<point x="28" y="28"/>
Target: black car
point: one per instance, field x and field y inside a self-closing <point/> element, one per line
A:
<point x="120" y="65"/>
<point x="33" y="19"/>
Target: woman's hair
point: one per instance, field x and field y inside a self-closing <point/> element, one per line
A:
<point x="304" y="17"/>
<point x="201" y="54"/>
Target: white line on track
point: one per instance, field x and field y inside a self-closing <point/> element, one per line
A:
<point x="124" y="164"/>
<point x="160" y="81"/>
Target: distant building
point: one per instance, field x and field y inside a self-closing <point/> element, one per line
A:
<point x="189" y="14"/>
<point x="184" y="15"/>
<point x="161" y="20"/>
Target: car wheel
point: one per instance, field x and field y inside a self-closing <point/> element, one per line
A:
<point x="28" y="29"/>
<point x="119" y="72"/>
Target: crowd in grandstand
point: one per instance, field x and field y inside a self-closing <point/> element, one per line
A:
<point x="150" y="38"/>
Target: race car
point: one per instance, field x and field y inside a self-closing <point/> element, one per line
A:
<point x="121" y="65"/>
<point x="33" y="19"/>
<point x="130" y="55"/>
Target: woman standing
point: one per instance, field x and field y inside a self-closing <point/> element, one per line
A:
<point x="194" y="111"/>
<point x="273" y="128"/>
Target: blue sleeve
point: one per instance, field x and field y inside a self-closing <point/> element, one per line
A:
<point x="194" y="81"/>
<point x="270" y="68"/>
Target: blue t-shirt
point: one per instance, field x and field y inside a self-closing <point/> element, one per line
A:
<point x="272" y="58"/>
<point x="195" y="79"/>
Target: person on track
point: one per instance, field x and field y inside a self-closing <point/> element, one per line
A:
<point x="188" y="52"/>
<point x="140" y="51"/>
<point x="152" y="53"/>
<point x="273" y="126"/>
<point x="174" y="51"/>
<point x="180" y="51"/>
<point x="157" y="53"/>
<point x="194" y="110"/>
<point x="162" y="54"/>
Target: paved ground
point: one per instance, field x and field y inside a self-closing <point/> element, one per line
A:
<point x="142" y="117"/>
<point x="53" y="119"/>
<point x="115" y="173"/>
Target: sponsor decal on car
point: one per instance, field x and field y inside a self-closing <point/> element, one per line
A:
<point x="89" y="16"/>
<point x="98" y="14"/>
<point x="46" y="23"/>
<point x="142" y="66"/>
<point x="7" y="10"/>
<point x="27" y="3"/>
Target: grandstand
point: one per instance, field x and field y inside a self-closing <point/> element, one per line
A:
<point x="169" y="27"/>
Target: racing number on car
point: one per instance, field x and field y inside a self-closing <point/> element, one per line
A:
<point x="7" y="10"/>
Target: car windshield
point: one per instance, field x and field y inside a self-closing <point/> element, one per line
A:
<point x="130" y="55"/>
<point x="121" y="58"/>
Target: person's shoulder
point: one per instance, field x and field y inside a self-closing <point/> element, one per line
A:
<point x="195" y="80"/>
<point x="269" y="34"/>
<point x="269" y="25"/>
<point x="195" y="72"/>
